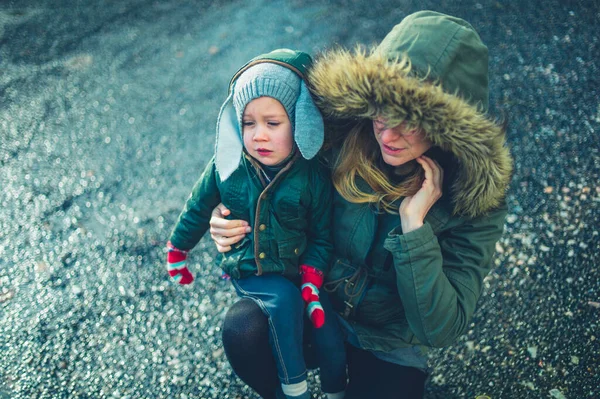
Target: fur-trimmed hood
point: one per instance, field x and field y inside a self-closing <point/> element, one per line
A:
<point x="360" y="85"/>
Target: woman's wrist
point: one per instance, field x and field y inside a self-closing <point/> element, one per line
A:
<point x="409" y="224"/>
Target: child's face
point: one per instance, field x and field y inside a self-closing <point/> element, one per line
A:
<point x="267" y="131"/>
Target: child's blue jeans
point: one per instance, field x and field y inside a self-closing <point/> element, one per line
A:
<point x="281" y="302"/>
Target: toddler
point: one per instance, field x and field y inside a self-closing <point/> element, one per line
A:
<point x="268" y="131"/>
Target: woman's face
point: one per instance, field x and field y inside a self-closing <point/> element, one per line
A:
<point x="399" y="146"/>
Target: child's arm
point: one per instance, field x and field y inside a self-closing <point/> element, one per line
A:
<point x="192" y="224"/>
<point x="318" y="202"/>
<point x="315" y="259"/>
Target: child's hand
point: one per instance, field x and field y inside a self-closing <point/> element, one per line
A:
<point x="176" y="265"/>
<point x="312" y="280"/>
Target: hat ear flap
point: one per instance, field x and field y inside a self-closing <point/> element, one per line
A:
<point x="308" y="129"/>
<point x="228" y="145"/>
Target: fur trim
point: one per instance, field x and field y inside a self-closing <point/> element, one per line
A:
<point x="357" y="85"/>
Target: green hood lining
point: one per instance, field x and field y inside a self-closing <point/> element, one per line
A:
<point x="365" y="85"/>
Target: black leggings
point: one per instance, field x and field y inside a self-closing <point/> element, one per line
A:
<point x="246" y="343"/>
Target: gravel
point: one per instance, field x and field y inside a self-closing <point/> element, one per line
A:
<point x="107" y="114"/>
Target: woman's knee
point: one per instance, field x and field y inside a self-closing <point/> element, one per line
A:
<point x="244" y="323"/>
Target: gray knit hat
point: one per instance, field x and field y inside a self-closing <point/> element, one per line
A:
<point x="267" y="79"/>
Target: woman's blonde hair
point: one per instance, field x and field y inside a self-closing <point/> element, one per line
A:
<point x="360" y="157"/>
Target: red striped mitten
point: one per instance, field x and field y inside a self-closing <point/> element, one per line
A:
<point x="176" y="265"/>
<point x="312" y="280"/>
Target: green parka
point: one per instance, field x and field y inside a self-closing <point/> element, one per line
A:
<point x="290" y="215"/>
<point x="421" y="288"/>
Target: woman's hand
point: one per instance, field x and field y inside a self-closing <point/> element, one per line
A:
<point x="226" y="232"/>
<point x="414" y="208"/>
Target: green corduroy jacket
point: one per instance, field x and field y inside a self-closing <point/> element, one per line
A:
<point x="291" y="217"/>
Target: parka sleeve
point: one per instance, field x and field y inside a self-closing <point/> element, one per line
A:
<point x="194" y="218"/>
<point x="440" y="279"/>
<point x="319" y="247"/>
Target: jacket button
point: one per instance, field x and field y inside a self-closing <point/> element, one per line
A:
<point x="262" y="227"/>
<point x="297" y="251"/>
<point x="262" y="255"/>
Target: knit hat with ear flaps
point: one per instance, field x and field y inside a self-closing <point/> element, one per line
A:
<point x="267" y="80"/>
<point x="277" y="76"/>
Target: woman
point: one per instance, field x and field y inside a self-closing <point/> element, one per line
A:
<point x="420" y="174"/>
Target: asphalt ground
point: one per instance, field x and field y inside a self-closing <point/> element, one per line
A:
<point x="107" y="115"/>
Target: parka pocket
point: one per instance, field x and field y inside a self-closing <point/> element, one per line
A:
<point x="232" y="261"/>
<point x="347" y="284"/>
<point x="381" y="306"/>
<point x="363" y="297"/>
<point x="291" y="248"/>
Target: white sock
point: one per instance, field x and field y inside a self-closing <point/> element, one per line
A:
<point x="294" y="389"/>
<point x="339" y="395"/>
